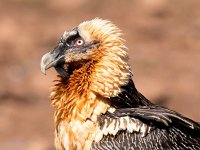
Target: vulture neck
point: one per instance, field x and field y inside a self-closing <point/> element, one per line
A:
<point x="91" y="90"/>
<point x="96" y="85"/>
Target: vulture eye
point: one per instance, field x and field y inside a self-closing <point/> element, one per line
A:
<point x="78" y="42"/>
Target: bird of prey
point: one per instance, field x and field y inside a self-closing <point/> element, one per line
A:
<point x="97" y="105"/>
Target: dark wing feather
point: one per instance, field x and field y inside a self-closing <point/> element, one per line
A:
<point x="170" y="131"/>
<point x="157" y="114"/>
<point x="158" y="139"/>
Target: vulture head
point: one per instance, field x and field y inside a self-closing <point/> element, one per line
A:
<point x="91" y="41"/>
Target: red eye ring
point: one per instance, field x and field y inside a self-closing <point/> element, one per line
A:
<point x="79" y="42"/>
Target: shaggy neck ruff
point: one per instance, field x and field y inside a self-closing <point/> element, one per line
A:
<point x="103" y="78"/>
<point x="85" y="95"/>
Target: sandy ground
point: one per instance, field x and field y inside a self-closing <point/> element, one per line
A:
<point x="162" y="37"/>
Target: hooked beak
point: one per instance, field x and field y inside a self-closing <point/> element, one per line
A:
<point x="51" y="59"/>
<point x="56" y="58"/>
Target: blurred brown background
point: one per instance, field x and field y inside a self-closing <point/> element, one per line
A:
<point x="163" y="38"/>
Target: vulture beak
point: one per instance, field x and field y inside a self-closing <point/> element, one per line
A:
<point x="54" y="59"/>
